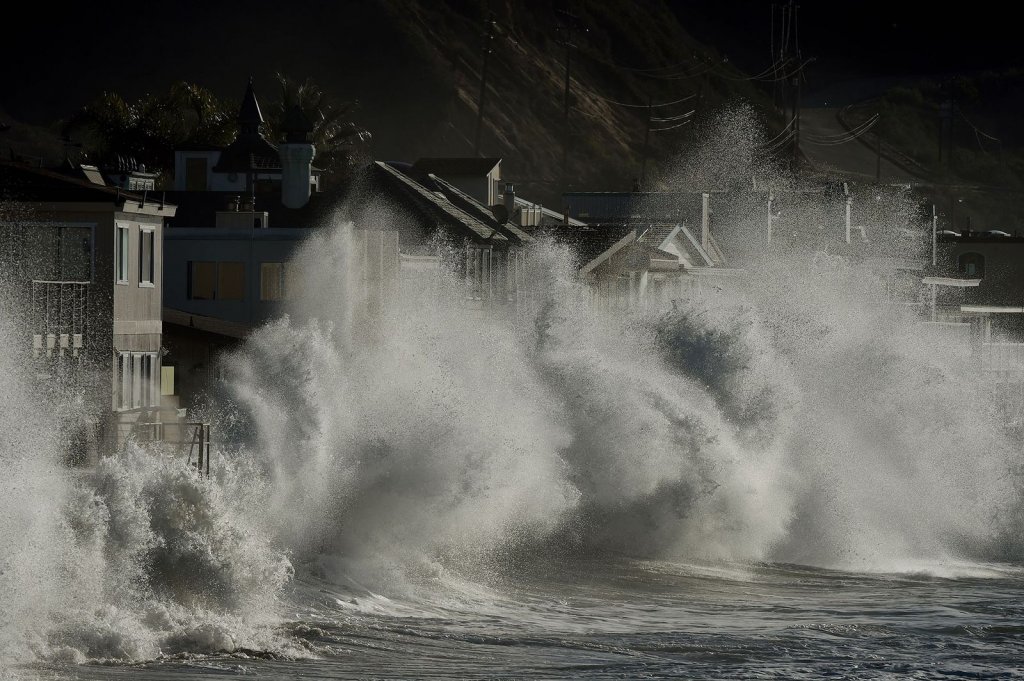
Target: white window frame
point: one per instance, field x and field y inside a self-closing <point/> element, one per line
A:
<point x="152" y="256"/>
<point x="133" y="390"/>
<point x="122" y="261"/>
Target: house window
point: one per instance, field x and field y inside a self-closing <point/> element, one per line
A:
<point x="195" y="174"/>
<point x="146" y="257"/>
<point x="122" y="384"/>
<point x="971" y="265"/>
<point x="216" y="280"/>
<point x="137" y="382"/>
<point x="272" y="281"/>
<point x="121" y="246"/>
<point x="231" y="281"/>
<point x="202" y="280"/>
<point x="479" y="277"/>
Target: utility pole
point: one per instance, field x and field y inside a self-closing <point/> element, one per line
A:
<point x="878" y="158"/>
<point x="935" y="236"/>
<point x="774" y="59"/>
<point x="488" y="40"/>
<point x="791" y="30"/>
<point x="567" y="26"/>
<point x="796" y="119"/>
<point x="647" y="139"/>
<point x="946" y="132"/>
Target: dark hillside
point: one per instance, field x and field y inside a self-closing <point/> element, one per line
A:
<point x="414" y="66"/>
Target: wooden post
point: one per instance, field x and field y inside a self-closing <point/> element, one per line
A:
<point x="705" y="219"/>
<point x="849" y="207"/>
<point x="878" y="158"/>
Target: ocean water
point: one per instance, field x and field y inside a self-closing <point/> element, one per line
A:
<point x="614" y="619"/>
<point x="785" y="477"/>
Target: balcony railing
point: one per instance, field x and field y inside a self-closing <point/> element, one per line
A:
<point x="59" y="317"/>
<point x="186" y="439"/>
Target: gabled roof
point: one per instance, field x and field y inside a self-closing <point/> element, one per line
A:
<point x="697" y="254"/>
<point x="450" y="167"/>
<point x="478" y="210"/>
<point x="656" y="235"/>
<point x="589" y="242"/>
<point x="447" y="213"/>
<point x="646" y="242"/>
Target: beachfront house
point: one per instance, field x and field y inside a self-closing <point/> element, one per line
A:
<point x="85" y="261"/>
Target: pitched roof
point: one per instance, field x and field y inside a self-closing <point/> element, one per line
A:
<point x="589" y="242"/>
<point x="456" y="166"/>
<point x="478" y="210"/>
<point x="450" y="215"/>
<point x="19" y="182"/>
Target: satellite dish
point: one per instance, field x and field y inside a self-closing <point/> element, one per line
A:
<point x="500" y="213"/>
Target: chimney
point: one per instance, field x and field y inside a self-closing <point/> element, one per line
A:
<point x="297" y="154"/>
<point x="510" y="198"/>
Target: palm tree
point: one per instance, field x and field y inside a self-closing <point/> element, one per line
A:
<point x="340" y="143"/>
<point x="147" y="131"/>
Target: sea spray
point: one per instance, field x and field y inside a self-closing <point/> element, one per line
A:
<point x="476" y="435"/>
<point x="35" y="542"/>
<point x="135" y="559"/>
<point x="792" y="416"/>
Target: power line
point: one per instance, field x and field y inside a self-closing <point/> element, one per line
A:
<point x="781" y="133"/>
<point x="833" y="140"/>
<point x="671" y="127"/>
<point x="672" y="119"/>
<point x="636" y="106"/>
<point x="571" y="21"/>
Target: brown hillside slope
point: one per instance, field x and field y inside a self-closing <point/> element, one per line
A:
<point x="524" y="113"/>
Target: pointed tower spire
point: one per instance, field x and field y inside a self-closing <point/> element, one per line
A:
<point x="250" y="118"/>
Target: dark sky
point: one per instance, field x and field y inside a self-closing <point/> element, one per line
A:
<point x="871" y="38"/>
<point x="55" y="59"/>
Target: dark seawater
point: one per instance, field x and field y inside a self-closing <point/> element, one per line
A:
<point x="647" y="620"/>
